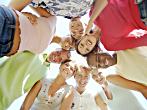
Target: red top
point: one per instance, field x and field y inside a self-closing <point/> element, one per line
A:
<point x="117" y="21"/>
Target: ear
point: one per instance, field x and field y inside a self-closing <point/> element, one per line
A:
<point x="56" y="39"/>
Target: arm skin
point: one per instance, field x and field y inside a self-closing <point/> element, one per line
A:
<point x="21" y="4"/>
<point x="67" y="101"/>
<point x="100" y="102"/>
<point x="107" y="91"/>
<point x="99" y="5"/>
<point x="125" y="83"/>
<point x="29" y="100"/>
<point x="56" y="39"/>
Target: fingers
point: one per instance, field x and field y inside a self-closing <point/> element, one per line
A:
<point x="32" y="18"/>
<point x="88" y="28"/>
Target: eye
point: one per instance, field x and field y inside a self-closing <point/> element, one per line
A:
<point x="82" y="45"/>
<point x="87" y="49"/>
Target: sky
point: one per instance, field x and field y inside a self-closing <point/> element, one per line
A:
<point x="123" y="95"/>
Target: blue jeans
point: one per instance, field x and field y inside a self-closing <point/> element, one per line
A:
<point x="142" y="6"/>
<point x="7" y="29"/>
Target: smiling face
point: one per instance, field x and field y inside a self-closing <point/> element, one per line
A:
<point x="58" y="56"/>
<point x="100" y="60"/>
<point x="76" y="28"/>
<point x="67" y="69"/>
<point x="82" y="77"/>
<point x="88" y="42"/>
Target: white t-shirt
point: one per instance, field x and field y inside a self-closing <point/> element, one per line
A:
<point x="131" y="64"/>
<point x="84" y="101"/>
<point x="44" y="102"/>
<point x="36" y="37"/>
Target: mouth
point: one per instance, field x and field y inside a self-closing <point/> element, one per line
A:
<point x="83" y="83"/>
<point x="89" y="42"/>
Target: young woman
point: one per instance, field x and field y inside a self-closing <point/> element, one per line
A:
<point x="76" y="32"/>
<point x="19" y="32"/>
<point x="51" y="94"/>
<point x="88" y="42"/>
<point x="129" y="74"/>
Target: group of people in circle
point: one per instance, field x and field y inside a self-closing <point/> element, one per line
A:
<point x="121" y="26"/>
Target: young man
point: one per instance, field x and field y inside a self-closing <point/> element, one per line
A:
<point x="84" y="100"/>
<point x="128" y="74"/>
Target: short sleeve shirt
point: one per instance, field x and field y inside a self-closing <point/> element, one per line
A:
<point x="70" y="8"/>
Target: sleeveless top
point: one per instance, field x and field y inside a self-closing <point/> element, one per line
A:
<point x="44" y="102"/>
<point x="69" y="8"/>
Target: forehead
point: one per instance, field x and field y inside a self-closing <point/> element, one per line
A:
<point x="83" y="71"/>
<point x="75" y="23"/>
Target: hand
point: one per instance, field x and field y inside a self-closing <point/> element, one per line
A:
<point x="99" y="78"/>
<point x="88" y="28"/>
<point x="66" y="44"/>
<point x="32" y="18"/>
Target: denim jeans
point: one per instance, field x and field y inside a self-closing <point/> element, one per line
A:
<point x="7" y="29"/>
<point x="142" y="6"/>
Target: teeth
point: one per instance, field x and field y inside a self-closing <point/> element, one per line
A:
<point x="89" y="42"/>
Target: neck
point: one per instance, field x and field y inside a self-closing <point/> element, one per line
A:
<point x="56" y="84"/>
<point x="80" y="90"/>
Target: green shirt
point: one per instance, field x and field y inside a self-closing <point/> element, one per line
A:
<point x="17" y="75"/>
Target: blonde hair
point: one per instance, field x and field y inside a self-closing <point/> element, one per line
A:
<point x="82" y="69"/>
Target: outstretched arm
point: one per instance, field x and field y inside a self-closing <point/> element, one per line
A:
<point x="125" y="83"/>
<point x="100" y="102"/>
<point x="19" y="4"/>
<point x="29" y="100"/>
<point x="68" y="99"/>
<point x="99" y="5"/>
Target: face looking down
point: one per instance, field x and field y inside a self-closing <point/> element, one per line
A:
<point x="100" y="60"/>
<point x="67" y="69"/>
<point x="88" y="42"/>
<point x="82" y="76"/>
<point x="58" y="56"/>
<point x="76" y="28"/>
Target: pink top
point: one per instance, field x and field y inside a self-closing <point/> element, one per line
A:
<point x="121" y="25"/>
<point x="37" y="37"/>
